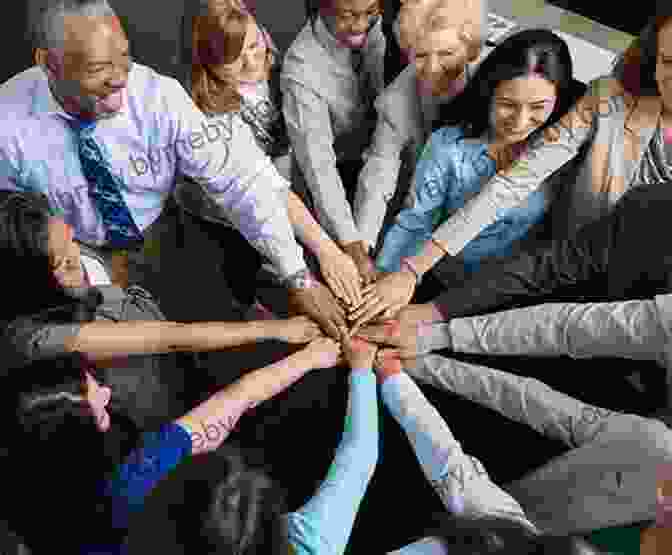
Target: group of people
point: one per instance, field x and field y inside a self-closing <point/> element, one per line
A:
<point x="387" y="189"/>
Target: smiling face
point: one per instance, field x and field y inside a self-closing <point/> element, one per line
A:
<point x="664" y="65"/>
<point x="91" y="71"/>
<point x="520" y="106"/>
<point x="440" y="58"/>
<point x="64" y="255"/>
<point x="237" y="47"/>
<point x="350" y="20"/>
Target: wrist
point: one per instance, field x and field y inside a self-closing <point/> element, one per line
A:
<point x="407" y="269"/>
<point x="303" y="279"/>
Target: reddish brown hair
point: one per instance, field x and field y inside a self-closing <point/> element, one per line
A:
<point x="216" y="40"/>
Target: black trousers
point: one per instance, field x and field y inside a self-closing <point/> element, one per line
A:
<point x="624" y="255"/>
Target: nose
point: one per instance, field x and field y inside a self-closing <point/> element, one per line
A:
<point x="360" y="24"/>
<point x="522" y="119"/>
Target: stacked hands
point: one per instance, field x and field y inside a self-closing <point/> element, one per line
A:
<point x="356" y="293"/>
<point x="386" y="346"/>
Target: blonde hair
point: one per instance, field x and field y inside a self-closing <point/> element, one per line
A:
<point x="437" y="15"/>
<point x="218" y="39"/>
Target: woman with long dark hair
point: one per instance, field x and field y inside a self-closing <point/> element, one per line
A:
<point x="522" y="86"/>
<point x="618" y="132"/>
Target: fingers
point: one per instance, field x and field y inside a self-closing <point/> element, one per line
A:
<point x="362" y="317"/>
<point x="377" y="334"/>
<point x="350" y="284"/>
<point x="336" y="287"/>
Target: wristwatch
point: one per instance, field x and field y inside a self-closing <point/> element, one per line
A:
<point x="302" y="279"/>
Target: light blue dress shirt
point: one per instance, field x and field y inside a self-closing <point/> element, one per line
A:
<point x="158" y="135"/>
<point x="451" y="171"/>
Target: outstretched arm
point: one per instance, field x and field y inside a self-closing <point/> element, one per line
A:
<point x="459" y="479"/>
<point x="324" y="523"/>
<point x="29" y="339"/>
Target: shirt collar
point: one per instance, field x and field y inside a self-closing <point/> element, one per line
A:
<point x="45" y="104"/>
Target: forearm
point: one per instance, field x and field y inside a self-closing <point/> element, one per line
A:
<point x="100" y="340"/>
<point x="459" y="479"/>
<point x="430" y="437"/>
<point x="630" y="329"/>
<point x="308" y="231"/>
<point x="334" y="506"/>
<point x="225" y="407"/>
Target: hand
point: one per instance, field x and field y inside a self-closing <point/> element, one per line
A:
<point x="367" y="269"/>
<point x="414" y="314"/>
<point x="323" y="352"/>
<point x="387" y="364"/>
<point x="318" y="303"/>
<point x="385" y="297"/>
<point x="359" y="353"/>
<point x="299" y="329"/>
<point x="341" y="275"/>
<point x="404" y="337"/>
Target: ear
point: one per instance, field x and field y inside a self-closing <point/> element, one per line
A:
<point x="40" y="57"/>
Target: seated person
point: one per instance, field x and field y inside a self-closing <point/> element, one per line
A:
<point x="447" y="42"/>
<point x="234" y="72"/>
<point x="621" y="125"/>
<point x="331" y="75"/>
<point x="59" y="418"/>
<point x="522" y="86"/>
<point x="123" y="332"/>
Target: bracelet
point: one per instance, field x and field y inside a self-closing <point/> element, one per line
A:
<point x="405" y="262"/>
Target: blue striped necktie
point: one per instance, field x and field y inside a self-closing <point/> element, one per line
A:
<point x="105" y="190"/>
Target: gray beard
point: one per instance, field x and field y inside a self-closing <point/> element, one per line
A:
<point x="66" y="89"/>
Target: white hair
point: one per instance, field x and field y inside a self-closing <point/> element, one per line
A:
<point x="46" y="18"/>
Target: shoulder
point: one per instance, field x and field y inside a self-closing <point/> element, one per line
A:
<point x="19" y="94"/>
<point x="302" y="49"/>
<point x="148" y="87"/>
<point x="399" y="94"/>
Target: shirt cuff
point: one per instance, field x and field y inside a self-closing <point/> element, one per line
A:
<point x="433" y="337"/>
<point x="50" y="341"/>
<point x="456" y="232"/>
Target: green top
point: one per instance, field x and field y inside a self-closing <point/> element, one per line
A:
<point x="619" y="540"/>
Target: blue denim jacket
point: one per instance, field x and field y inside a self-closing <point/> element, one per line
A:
<point x="450" y="172"/>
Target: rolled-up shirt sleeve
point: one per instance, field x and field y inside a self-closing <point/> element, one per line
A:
<point x="379" y="176"/>
<point x="629" y="329"/>
<point x="309" y="129"/>
<point x="27" y="340"/>
<point x="507" y="189"/>
<point x="221" y="155"/>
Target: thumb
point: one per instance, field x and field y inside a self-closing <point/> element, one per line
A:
<point x="376" y="333"/>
